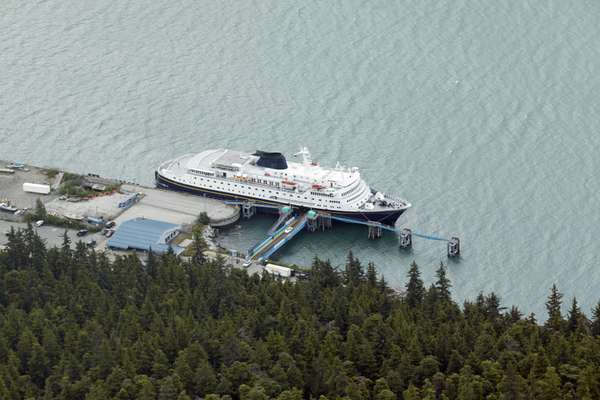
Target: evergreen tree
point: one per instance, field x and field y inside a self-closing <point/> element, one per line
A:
<point x="553" y="304"/>
<point x="152" y="264"/>
<point x="548" y="388"/>
<point x="575" y="317"/>
<point x="412" y="393"/>
<point x="512" y="386"/>
<point x="442" y="283"/>
<point x="168" y="389"/>
<point x="492" y="306"/>
<point x="202" y="219"/>
<point x="371" y="275"/>
<point x="596" y="320"/>
<point x="292" y="394"/>
<point x="414" y="288"/>
<point x="354" y="273"/>
<point x="515" y="314"/>
<point x="40" y="210"/>
<point x="199" y="245"/>
<point x="381" y="390"/>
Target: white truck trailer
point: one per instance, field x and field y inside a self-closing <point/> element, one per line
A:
<point x="274" y="269"/>
<point x="36" y="188"/>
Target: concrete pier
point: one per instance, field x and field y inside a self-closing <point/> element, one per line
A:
<point x="178" y="208"/>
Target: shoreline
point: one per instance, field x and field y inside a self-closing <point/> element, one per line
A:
<point x="148" y="202"/>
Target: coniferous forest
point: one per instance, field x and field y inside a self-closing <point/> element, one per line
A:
<point x="74" y="325"/>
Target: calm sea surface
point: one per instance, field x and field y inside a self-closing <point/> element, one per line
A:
<point x="484" y="114"/>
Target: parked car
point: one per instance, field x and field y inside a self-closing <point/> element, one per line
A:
<point x="110" y="224"/>
<point x="91" y="243"/>
<point x="109" y="233"/>
<point x="82" y="232"/>
<point x="39" y="223"/>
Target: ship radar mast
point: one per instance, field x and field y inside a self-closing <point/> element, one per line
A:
<point x="306" y="158"/>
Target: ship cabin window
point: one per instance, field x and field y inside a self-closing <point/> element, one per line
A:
<point x="198" y="172"/>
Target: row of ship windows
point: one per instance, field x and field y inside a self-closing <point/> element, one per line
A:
<point x="357" y="196"/>
<point x="322" y="194"/>
<point x="241" y="186"/>
<point x="346" y="193"/>
<point x="198" y="172"/>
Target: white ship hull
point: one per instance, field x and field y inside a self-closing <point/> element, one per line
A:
<point x="267" y="178"/>
<point x="385" y="217"/>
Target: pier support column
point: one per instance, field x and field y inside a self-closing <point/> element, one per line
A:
<point x="312" y="224"/>
<point x="324" y="221"/>
<point x="405" y="238"/>
<point x="248" y="210"/>
<point x="454" y="247"/>
<point x="374" y="231"/>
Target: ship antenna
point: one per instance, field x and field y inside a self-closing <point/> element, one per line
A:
<point x="306" y="158"/>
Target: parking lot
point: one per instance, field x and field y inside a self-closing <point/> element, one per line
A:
<point x="52" y="234"/>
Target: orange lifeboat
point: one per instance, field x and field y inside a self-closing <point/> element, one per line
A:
<point x="288" y="184"/>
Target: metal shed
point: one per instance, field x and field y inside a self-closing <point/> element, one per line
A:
<point x="145" y="234"/>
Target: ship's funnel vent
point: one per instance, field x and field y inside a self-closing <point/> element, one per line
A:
<point x="271" y="160"/>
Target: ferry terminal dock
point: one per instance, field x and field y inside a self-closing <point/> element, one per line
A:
<point x="151" y="203"/>
<point x="168" y="206"/>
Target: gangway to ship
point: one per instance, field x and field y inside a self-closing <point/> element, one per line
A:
<point x="278" y="239"/>
<point x="284" y="213"/>
<point x="271" y="236"/>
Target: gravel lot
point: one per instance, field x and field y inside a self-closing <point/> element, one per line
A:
<point x="101" y="206"/>
<point x="11" y="187"/>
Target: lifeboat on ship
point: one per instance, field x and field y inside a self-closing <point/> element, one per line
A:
<point x="289" y="185"/>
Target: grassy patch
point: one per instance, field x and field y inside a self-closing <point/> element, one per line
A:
<point x="72" y="185"/>
<point x="60" y="222"/>
<point x="180" y="238"/>
<point x="50" y="173"/>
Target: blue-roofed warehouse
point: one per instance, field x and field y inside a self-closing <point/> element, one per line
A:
<point x="145" y="234"/>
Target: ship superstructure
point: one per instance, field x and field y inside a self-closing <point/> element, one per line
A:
<point x="268" y="178"/>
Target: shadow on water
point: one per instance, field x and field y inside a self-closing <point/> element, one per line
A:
<point x="332" y="244"/>
<point x="391" y="260"/>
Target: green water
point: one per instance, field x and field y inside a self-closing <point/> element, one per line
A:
<point x="484" y="115"/>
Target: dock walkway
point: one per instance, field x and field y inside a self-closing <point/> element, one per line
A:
<point x="278" y="239"/>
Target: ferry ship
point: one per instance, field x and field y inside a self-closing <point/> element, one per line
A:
<point x="268" y="178"/>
